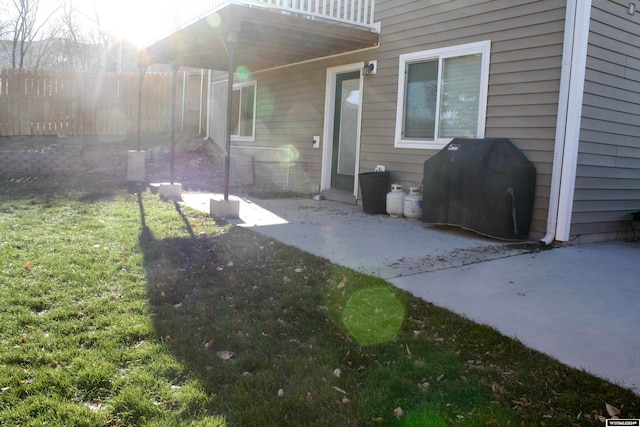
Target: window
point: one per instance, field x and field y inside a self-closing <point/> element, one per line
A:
<point x="442" y="94"/>
<point x="243" y="111"/>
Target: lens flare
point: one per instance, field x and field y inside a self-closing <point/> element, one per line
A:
<point x="242" y="73"/>
<point x="214" y="20"/>
<point x="424" y="418"/>
<point x="288" y="154"/>
<point x="373" y="316"/>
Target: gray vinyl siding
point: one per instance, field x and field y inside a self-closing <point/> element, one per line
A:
<point x="608" y="173"/>
<point x="289" y="112"/>
<point x="526" y="55"/>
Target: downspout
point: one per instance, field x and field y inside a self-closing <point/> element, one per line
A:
<point x="574" y="118"/>
<point x="568" y="120"/>
<point x="561" y="122"/>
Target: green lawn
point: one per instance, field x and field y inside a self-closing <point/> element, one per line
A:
<point x="120" y="309"/>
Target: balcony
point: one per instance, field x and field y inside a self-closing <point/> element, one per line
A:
<point x="265" y="34"/>
<point x="359" y="13"/>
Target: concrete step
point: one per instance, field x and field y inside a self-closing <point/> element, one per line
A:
<point x="339" y="196"/>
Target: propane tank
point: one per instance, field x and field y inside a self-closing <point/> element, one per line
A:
<point x="413" y="204"/>
<point x="395" y="200"/>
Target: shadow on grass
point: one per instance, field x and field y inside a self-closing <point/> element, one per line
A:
<point x="280" y="337"/>
<point x="251" y="319"/>
<point x="176" y="269"/>
<point x="184" y="218"/>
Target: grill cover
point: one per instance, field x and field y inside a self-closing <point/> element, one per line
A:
<point x="484" y="185"/>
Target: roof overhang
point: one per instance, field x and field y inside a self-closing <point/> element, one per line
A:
<point x="263" y="39"/>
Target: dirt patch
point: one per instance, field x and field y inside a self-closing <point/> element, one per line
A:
<point x="442" y="260"/>
<point x="196" y="170"/>
<point x="196" y="164"/>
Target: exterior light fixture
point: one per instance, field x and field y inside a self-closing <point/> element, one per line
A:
<point x="370" y="68"/>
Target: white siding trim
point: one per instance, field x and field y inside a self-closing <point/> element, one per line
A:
<point x="484" y="48"/>
<point x="239" y="86"/>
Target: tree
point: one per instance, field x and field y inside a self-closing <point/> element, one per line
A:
<point x="79" y="46"/>
<point x="25" y="28"/>
<point x="40" y="34"/>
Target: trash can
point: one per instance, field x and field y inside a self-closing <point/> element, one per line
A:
<point x="374" y="187"/>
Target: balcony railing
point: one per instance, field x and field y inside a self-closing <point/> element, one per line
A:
<point x="358" y="13"/>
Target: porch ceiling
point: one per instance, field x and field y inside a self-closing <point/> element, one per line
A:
<point x="264" y="39"/>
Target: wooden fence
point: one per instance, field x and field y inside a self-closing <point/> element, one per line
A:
<point x="81" y="103"/>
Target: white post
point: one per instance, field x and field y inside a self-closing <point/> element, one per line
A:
<point x="184" y="93"/>
<point x="201" y="94"/>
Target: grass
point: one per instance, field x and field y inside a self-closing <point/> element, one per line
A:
<point x="119" y="309"/>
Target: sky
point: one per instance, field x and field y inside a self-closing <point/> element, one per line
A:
<point x="140" y="21"/>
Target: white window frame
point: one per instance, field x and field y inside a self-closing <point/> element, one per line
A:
<point x="239" y="86"/>
<point x="483" y="48"/>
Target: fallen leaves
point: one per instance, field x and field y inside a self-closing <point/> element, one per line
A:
<point x="424" y="386"/>
<point x="614" y="413"/>
<point x="284" y="335"/>
<point x="612" y="410"/>
<point x="398" y="412"/>
<point x="497" y="388"/>
<point x="224" y="355"/>
<point x="520" y="404"/>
